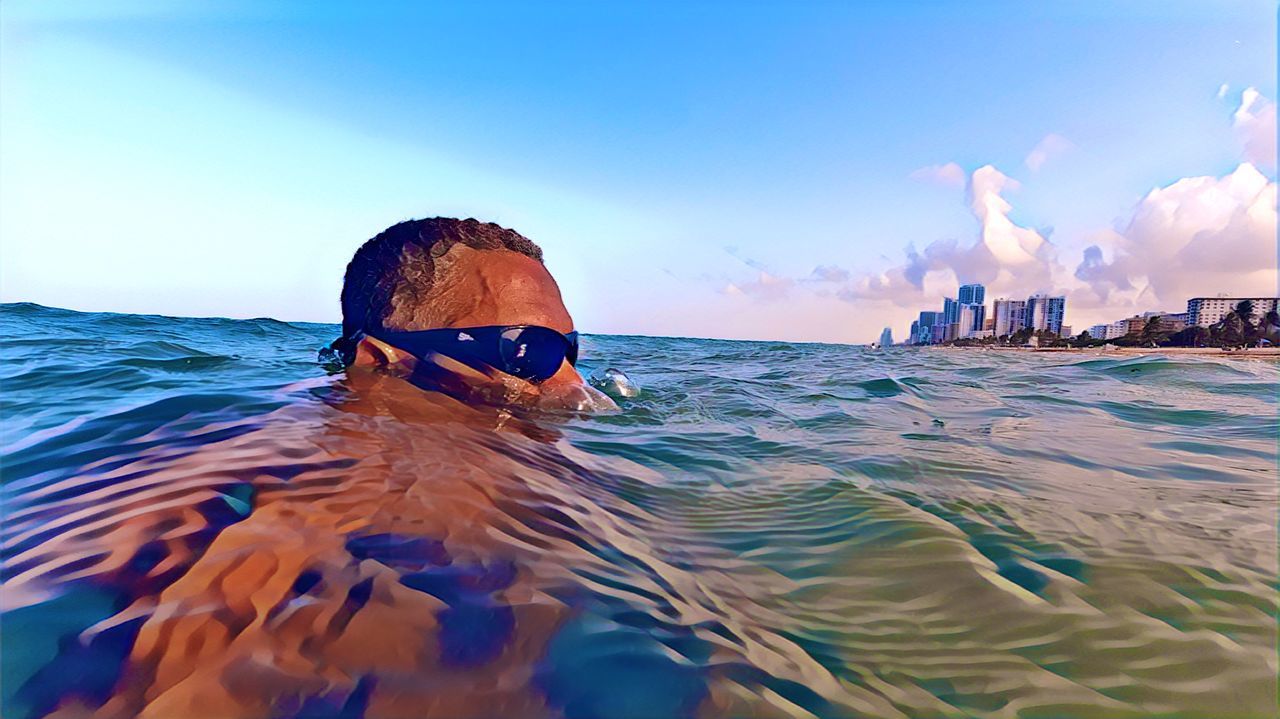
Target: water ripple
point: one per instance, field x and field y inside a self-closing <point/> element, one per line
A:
<point x="200" y="522"/>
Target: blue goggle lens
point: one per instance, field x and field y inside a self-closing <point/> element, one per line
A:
<point x="533" y="353"/>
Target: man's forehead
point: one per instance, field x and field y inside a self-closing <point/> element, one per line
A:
<point x="496" y="287"/>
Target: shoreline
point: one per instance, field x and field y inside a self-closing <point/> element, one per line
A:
<point x="1253" y="353"/>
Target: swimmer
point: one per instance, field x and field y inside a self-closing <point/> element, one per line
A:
<point x="354" y="556"/>
<point x="466" y="308"/>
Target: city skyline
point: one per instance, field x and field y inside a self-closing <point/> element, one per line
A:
<point x="964" y="317"/>
<point x="961" y="319"/>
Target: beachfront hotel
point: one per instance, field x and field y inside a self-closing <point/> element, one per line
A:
<point x="1207" y="311"/>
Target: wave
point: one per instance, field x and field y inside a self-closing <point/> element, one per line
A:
<point x="199" y="518"/>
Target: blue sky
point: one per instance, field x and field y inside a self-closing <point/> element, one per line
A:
<point x="685" y="166"/>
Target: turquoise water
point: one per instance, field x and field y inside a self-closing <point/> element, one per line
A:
<point x="201" y="521"/>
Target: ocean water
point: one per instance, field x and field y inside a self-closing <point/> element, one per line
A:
<point x="202" y="521"/>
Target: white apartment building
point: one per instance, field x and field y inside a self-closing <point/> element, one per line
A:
<point x="1010" y="316"/>
<point x="1045" y="313"/>
<point x="970" y="320"/>
<point x="1206" y="311"/>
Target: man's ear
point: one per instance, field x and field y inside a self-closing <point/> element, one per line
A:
<point x="372" y="352"/>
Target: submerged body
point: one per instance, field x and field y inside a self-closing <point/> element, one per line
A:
<point x="768" y="530"/>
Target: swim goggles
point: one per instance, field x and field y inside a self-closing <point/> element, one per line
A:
<point x="530" y="352"/>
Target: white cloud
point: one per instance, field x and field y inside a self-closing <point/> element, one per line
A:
<point x="1223" y="89"/>
<point x="1255" y="125"/>
<point x="1006" y="257"/>
<point x="1198" y="236"/>
<point x="1050" y="146"/>
<point x="948" y="175"/>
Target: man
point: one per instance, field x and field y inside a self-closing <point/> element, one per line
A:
<point x="463" y="307"/>
<point x="353" y="556"/>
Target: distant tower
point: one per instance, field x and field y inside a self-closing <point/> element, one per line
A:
<point x="950" y="311"/>
<point x="974" y="294"/>
<point x="929" y="322"/>
<point x="886" y="338"/>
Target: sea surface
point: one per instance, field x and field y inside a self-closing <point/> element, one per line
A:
<point x="202" y="520"/>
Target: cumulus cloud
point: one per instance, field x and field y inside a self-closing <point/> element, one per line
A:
<point x="1194" y="237"/>
<point x="1254" y="122"/>
<point x="1049" y="147"/>
<point x="1197" y="236"/>
<point x="948" y="175"/>
<point x="1006" y="257"/>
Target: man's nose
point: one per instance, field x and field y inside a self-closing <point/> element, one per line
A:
<point x="566" y="390"/>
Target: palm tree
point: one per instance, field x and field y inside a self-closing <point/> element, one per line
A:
<point x="1193" y="336"/>
<point x="1232" y="333"/>
<point x="1151" y="332"/>
<point x="1244" y="311"/>
<point x="1244" y="308"/>
<point x="1269" y="327"/>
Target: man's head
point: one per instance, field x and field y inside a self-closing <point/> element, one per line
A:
<point x="443" y="273"/>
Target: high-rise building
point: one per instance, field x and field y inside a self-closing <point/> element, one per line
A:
<point x="1010" y="316"/>
<point x="1098" y="332"/>
<point x="1036" y="317"/>
<point x="913" y="336"/>
<point x="938" y="333"/>
<point x="1206" y="311"/>
<point x="979" y="317"/>
<point x="970" y="321"/>
<point x="1045" y="313"/>
<point x="928" y="320"/>
<point x="1057" y="312"/>
<point x="950" y="311"/>
<point x="974" y="294"/>
<point x="886" y="337"/>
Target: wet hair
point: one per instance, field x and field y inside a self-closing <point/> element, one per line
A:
<point x="390" y="278"/>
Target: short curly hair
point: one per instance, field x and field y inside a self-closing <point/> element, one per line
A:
<point x="396" y="269"/>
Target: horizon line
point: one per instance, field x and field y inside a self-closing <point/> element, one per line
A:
<point x="7" y="304"/>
